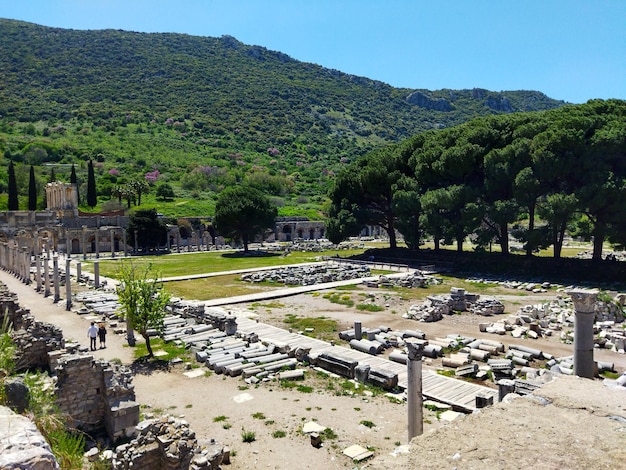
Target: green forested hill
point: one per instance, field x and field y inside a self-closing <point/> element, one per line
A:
<point x="206" y="112"/>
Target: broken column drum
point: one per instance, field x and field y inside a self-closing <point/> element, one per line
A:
<point x="584" y="303"/>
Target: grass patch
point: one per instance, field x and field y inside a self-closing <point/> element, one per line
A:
<point x="248" y="436"/>
<point x="304" y="389"/>
<point x="171" y="349"/>
<point x="610" y="375"/>
<point x="368" y="424"/>
<point x="278" y="434"/>
<point x="211" y="262"/>
<point x="446" y="373"/>
<point x="370" y="307"/>
<point x="323" y="327"/>
<point x="340" y="299"/>
<point x="220" y="418"/>
<point x="258" y="415"/>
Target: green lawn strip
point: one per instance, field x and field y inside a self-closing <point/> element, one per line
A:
<point x="210" y="262"/>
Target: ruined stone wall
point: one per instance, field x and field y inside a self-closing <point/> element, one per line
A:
<point x="33" y="339"/>
<point x="98" y="396"/>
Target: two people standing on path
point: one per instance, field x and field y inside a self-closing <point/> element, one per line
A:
<point x="97" y="332"/>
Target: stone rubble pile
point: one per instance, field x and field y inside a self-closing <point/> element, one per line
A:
<point x="545" y="319"/>
<point x="533" y="287"/>
<point x="310" y="274"/>
<point x="410" y="280"/>
<point x="436" y="306"/>
<point x="376" y="340"/>
<point x="166" y="443"/>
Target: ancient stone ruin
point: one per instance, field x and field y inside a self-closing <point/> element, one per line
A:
<point x="98" y="397"/>
<point x="309" y="274"/>
<point x="436" y="306"/>
<point x="166" y="443"/>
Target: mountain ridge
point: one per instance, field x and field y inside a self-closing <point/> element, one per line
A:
<point x="205" y="111"/>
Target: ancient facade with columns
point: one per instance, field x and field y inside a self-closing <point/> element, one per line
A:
<point x="62" y="228"/>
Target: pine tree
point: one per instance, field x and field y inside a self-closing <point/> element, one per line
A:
<point x="92" y="197"/>
<point x="13" y="201"/>
<point x="74" y="181"/>
<point x="32" y="191"/>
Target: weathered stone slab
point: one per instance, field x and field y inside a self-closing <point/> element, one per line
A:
<point x="22" y="445"/>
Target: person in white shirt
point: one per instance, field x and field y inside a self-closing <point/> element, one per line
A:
<point x="92" y="334"/>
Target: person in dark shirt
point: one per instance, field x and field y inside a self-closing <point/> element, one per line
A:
<point x="102" y="335"/>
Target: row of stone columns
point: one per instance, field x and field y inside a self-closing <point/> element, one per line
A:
<point x="96" y="233"/>
<point x="18" y="261"/>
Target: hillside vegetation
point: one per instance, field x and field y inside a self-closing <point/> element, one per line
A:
<point x="205" y="113"/>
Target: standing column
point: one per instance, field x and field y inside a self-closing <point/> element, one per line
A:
<point x="112" y="243"/>
<point x="584" y="316"/>
<point x="38" y="271"/>
<point x="136" y="243"/>
<point x="68" y="285"/>
<point x="97" y="243"/>
<point x="78" y="271"/>
<point x="46" y="276"/>
<point x="96" y="273"/>
<point x="55" y="274"/>
<point x="414" y="389"/>
<point x="83" y="241"/>
<point x="178" y="241"/>
<point x="358" y="334"/>
<point x="125" y="246"/>
<point x="26" y="264"/>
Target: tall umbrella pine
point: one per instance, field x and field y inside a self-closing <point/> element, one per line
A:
<point x="92" y="196"/>
<point x="32" y="190"/>
<point x="12" y="189"/>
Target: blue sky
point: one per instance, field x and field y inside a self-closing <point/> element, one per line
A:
<point x="573" y="50"/>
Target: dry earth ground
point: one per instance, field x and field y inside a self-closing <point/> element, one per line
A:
<point x="573" y="432"/>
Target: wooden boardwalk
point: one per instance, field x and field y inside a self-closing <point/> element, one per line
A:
<point x="459" y="394"/>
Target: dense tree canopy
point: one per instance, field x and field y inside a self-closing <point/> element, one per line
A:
<point x="243" y="212"/>
<point x="533" y="175"/>
<point x="147" y="230"/>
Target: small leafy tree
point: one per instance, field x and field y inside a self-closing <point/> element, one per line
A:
<point x="165" y="192"/>
<point x="139" y="187"/>
<point x="142" y="302"/>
